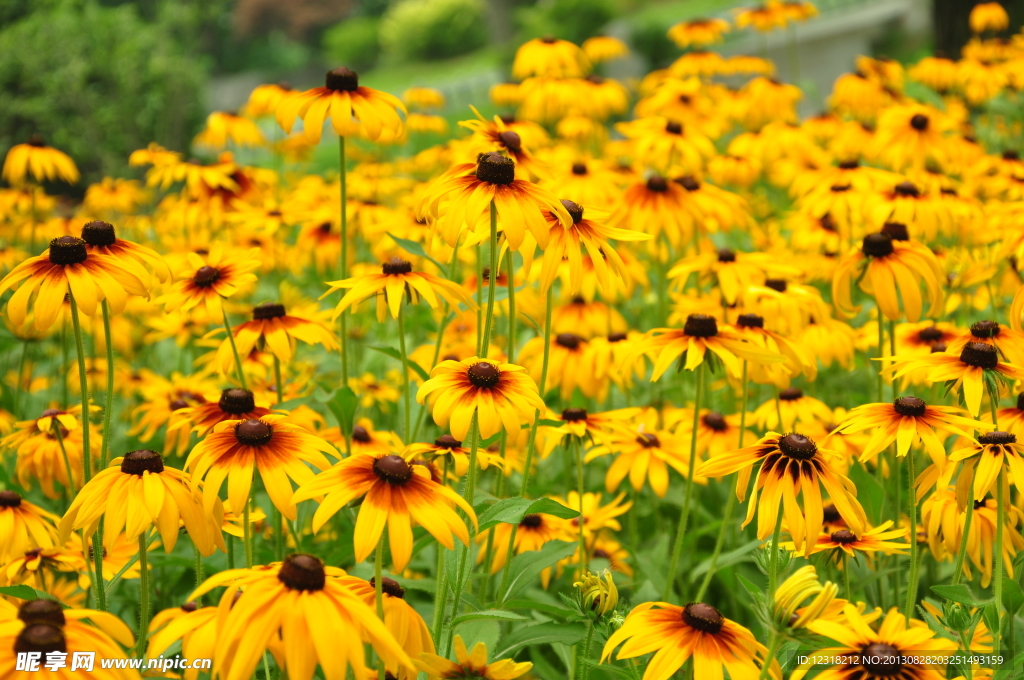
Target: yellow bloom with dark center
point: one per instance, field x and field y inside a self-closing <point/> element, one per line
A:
<point x="790" y="465"/>
<point x="23" y="526"/>
<point x="271" y="444"/>
<point x="40" y="454"/>
<point x="67" y="266"/>
<point x="568" y="363"/>
<point x="797" y="359"/>
<point x="985" y="458"/>
<point x="43" y="163"/>
<point x="844" y="542"/>
<point x="101" y="239"/>
<point x="470" y="665"/>
<point x="353" y="109"/>
<point x="395" y="493"/>
<point x="495" y="135"/>
<point x="988" y="16"/>
<point x="884" y="266"/>
<point x="905" y="421"/>
<point x="451" y="450"/>
<point x="220" y="275"/>
<point x="549" y="57"/>
<point x="234" y="404"/>
<point x="643" y="454"/>
<point x="698" y="32"/>
<point x="533" y="533"/>
<point x="1009" y="342"/>
<point x="499" y="395"/>
<point x="893" y="651"/>
<point x="911" y="136"/>
<point x="396" y="280"/>
<point x="402" y="621"/>
<point x="305" y="608"/>
<point x="675" y="634"/>
<point x="194" y="626"/>
<point x="717" y="433"/>
<point x="602" y="48"/>
<point x="223" y="127"/>
<point x="668" y="145"/>
<point x="137" y="493"/>
<point x="730" y="271"/>
<point x="278" y="330"/>
<point x="264" y="99"/>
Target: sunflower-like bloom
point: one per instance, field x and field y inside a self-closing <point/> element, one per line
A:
<point x="451" y="450"/>
<point x="602" y="48"/>
<point x="23" y="526"/>
<point x="549" y="57"/>
<point x="279" y="330"/>
<point x="264" y="99"/>
<point x="668" y="144"/>
<point x="764" y="18"/>
<point x="461" y="197"/>
<point x="353" y="109"/>
<point x="471" y="664"/>
<point x="395" y="281"/>
<point x="234" y="404"/>
<point x="1009" y="342"/>
<point x="910" y="136"/>
<point x="235" y="449"/>
<point x="395" y="493"/>
<point x="194" y="626"/>
<point x="307" y="606"/>
<point x="905" y="420"/>
<point x="224" y="127"/>
<point x="988" y="16"/>
<point x="862" y="646"/>
<point x="402" y="621"/>
<point x="498" y="136"/>
<point x="976" y="363"/>
<point x="732" y="272"/>
<point x="499" y="395"/>
<point x="987" y="456"/>
<point x="844" y="542"/>
<point x="790" y="464"/>
<point x="67" y="266"/>
<point x="569" y="364"/>
<point x="639" y="454"/>
<point x="43" y="163"/>
<point x="698" y="32"/>
<point x="677" y="633"/>
<point x="533" y="533"/>
<point x="137" y="492"/>
<point x="658" y="206"/>
<point x="206" y="281"/>
<point x="891" y="266"/>
<point x="41" y="454"/>
<point x="796" y="358"/>
<point x="699" y="334"/>
<point x="44" y="626"/>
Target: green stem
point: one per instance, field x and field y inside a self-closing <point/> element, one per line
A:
<point x="958" y="566"/>
<point x="770" y="656"/>
<point x="583" y="668"/>
<point x="581" y="488"/>
<point x="97" y="559"/>
<point x="21" y="373"/>
<point x="199" y="571"/>
<point x="230" y="540"/>
<point x="143" y="595"/>
<point x="278" y="383"/>
<point x="441" y="591"/>
<point x="511" y="307"/>
<point x="55" y="428"/>
<point x="378" y="587"/>
<point x="914" y="566"/>
<point x="773" y="565"/>
<point x="279" y="536"/>
<point x="997" y="635"/>
<point x="466" y="551"/>
<point x="343" y="321"/>
<point x="492" y="277"/>
<point x="846" y="577"/>
<point x="83" y="381"/>
<point x="406" y="388"/>
<point x="684" y="515"/>
<point x="881" y="355"/>
<point x="247" y="534"/>
<point x="234" y="348"/>
<point x="108" y="407"/>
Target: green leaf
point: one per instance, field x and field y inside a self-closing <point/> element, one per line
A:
<point x="342" y="403"/>
<point x="513" y="510"/>
<point x="991" y="615"/>
<point x="415" y="248"/>
<point x="541" y="634"/>
<point x="395" y="354"/>
<point x="961" y="593"/>
<point x="1013" y="596"/>
<point x="496" y="614"/>
<point x="869" y="492"/>
<point x="542" y="607"/>
<point x="546" y="422"/>
<point x="24" y="592"/>
<point x="740" y="554"/>
<point x="527" y="566"/>
<point x="935" y="625"/>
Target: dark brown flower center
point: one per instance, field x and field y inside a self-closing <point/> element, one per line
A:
<point x="997" y="437"/>
<point x="844" y="536"/>
<point x="574" y="209"/>
<point x="881" y="660"/>
<point x="9" y="499"/>
<point x="703" y="617"/>
<point x="849" y="165"/>
<point x="574" y="415"/>
<point x="689" y="182"/>
<point x="579" y="168"/>
<point x="36" y="140"/>
<point x="389" y="586"/>
<point x="268" y="310"/>
<point x="396" y="266"/>
<point x="791" y="394"/>
<point x="985" y="329"/>
<point x="42" y="638"/>
<point x="907" y="189"/>
<point x="361" y="435"/>
<point x="253" y="432"/>
<point x="726" y="255"/>
<point x="840" y="188"/>
<point x="897" y="231"/>
<point x="877" y="245"/>
<point x="67" y="250"/>
<point x="143" y="460"/>
<point x="342" y="78"/>
<point x="446" y="441"/>
<point x="715" y="420"/>
<point x="206" y="276"/>
<point x="830" y="514"/>
<point x="617" y="337"/>
<point x="980" y="355"/>
<point x="1011" y="155"/>
<point x="483" y="374"/>
<point x="919" y="122"/>
<point x="1020" y="401"/>
<point x="494" y="168"/>
<point x="657" y="183"/>
<point x="190" y="607"/>
<point x="797" y="446"/>
<point x="531" y="521"/>
<point x="50" y="412"/>
<point x="700" y="326"/>
<point x="930" y="334"/>
<point x="99" y="233"/>
<point x="42" y="611"/>
<point x="828" y="223"/>
<point x="750" y="321"/>
<point x="512" y="141"/>
<point x="393" y="469"/>
<point x="648" y="440"/>
<point x="778" y="285"/>
<point x="568" y="340"/>
<point x="237" y="401"/>
<point x="909" y="406"/>
<point x="674" y="127"/>
<point x="302" y="572"/>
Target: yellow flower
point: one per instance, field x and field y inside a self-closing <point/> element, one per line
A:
<point x="224" y="127"/>
<point x="988" y="16"/>
<point x="41" y="162"/>
<point x="221" y="274"/>
<point x="698" y="32"/>
<point x="549" y="57"/>
<point x="602" y="48"/>
<point x="470" y="665"/>
<point x="598" y="592"/>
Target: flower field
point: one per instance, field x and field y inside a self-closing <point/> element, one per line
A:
<point x="643" y="380"/>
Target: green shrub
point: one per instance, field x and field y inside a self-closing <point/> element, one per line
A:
<point x="97" y="82"/>
<point x="433" y="29"/>
<point x="649" y="38"/>
<point x="354" y="42"/>
<point x="574" y="20"/>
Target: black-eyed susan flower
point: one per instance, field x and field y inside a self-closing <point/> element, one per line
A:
<point x="716" y="432"/>
<point x="602" y="48"/>
<point x="698" y="32"/>
<point x="353" y="109"/>
<point x="549" y="57"/>
<point x="235" y="403"/>
<point x="911" y="136"/>
<point x="568" y="364"/>
<point x="797" y="359"/>
<point x="532" y="533"/>
<point x="279" y="330"/>
<point x="675" y="634"/>
<point x="451" y="451"/>
<point x="101" y="238"/>
<point x="224" y="127"/>
<point x="1009" y="342"/>
<point x="194" y="626"/>
<point x="988" y="456"/>
<point x="879" y="539"/>
<point x="471" y="665"/>
<point x="67" y="266"/>
<point x="43" y="163"/>
<point x="641" y="453"/>
<point x="988" y="16"/>
<point x="207" y="280"/>
<point x="303" y="604"/>
<point x="23" y="526"/>
<point x="41" y="445"/>
<point x="791" y="464"/>
<point x="730" y="271"/>
<point x="396" y="280"/>
<point x="264" y="99"/>
<point x="270" y="444"/>
<point x="395" y="493"/>
<point x="498" y="395"/>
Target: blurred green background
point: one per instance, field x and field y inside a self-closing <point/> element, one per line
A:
<point x="100" y="78"/>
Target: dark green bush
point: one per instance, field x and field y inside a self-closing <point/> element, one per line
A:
<point x="649" y="38"/>
<point x="433" y="29"/>
<point x="574" y="20"/>
<point x="97" y="82"/>
<point x="354" y="42"/>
